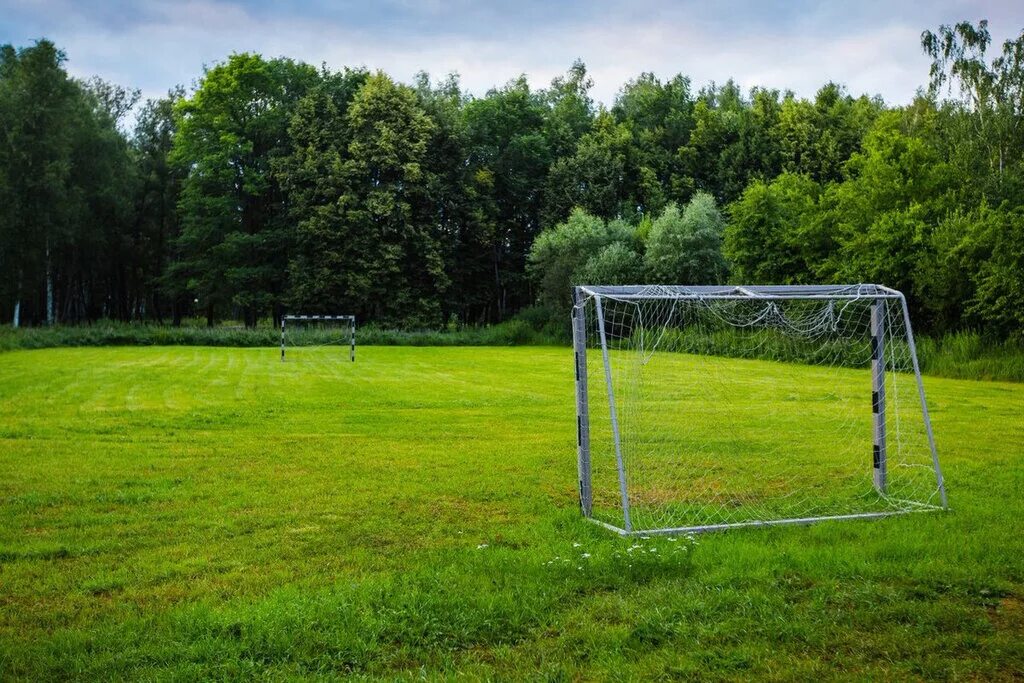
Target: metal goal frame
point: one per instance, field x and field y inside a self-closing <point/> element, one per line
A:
<point x="350" y="319"/>
<point x="762" y="292"/>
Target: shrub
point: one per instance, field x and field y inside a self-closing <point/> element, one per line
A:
<point x="686" y="248"/>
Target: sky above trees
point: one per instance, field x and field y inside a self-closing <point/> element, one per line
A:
<point x="871" y="46"/>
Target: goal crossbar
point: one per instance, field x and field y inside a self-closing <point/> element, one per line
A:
<point x="860" y="291"/>
<point x="650" y="413"/>
<point x="350" y="319"/>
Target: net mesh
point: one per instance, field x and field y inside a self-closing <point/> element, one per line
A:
<point x="317" y="332"/>
<point x="751" y="409"/>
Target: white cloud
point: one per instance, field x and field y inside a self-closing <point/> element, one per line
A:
<point x="875" y="51"/>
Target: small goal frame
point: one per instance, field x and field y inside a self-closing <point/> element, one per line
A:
<point x="350" y="319"/>
<point x="873" y="293"/>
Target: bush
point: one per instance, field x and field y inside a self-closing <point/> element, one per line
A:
<point x="616" y="264"/>
<point x="515" y="332"/>
<point x="686" y="247"/>
<point x="559" y="254"/>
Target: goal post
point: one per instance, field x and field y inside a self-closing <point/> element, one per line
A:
<point x="346" y="323"/>
<point x="710" y="407"/>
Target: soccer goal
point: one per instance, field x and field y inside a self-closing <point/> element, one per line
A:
<point x="704" y="408"/>
<point x="318" y="330"/>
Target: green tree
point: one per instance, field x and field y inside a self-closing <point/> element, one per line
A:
<point x="991" y="92"/>
<point x="156" y="216"/>
<point x="235" y="236"/>
<point x="113" y="100"/>
<point x="770" y="237"/>
<point x="686" y="247"/>
<point x="97" y="273"/>
<point x="594" y="178"/>
<point x="37" y="101"/>
<point x="975" y="276"/>
<point x="570" y="110"/>
<point x="617" y="264"/>
<point x="462" y="229"/>
<point x="817" y="138"/>
<point x="998" y="300"/>
<point x="884" y="215"/>
<point x="660" y="119"/>
<point x="322" y="270"/>
<point x="399" y="262"/>
<point x="560" y="255"/>
<point x="733" y="141"/>
<point x="508" y="156"/>
<point x="65" y="190"/>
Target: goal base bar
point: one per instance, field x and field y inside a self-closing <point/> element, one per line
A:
<point x="740" y="525"/>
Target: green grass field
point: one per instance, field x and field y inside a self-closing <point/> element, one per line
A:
<point x="190" y="513"/>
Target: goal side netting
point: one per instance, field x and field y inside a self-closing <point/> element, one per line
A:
<point x="700" y="408"/>
<point x="317" y="331"/>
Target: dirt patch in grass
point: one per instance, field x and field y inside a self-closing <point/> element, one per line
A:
<point x="1008" y="614"/>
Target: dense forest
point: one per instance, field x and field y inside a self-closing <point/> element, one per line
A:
<point x="274" y="186"/>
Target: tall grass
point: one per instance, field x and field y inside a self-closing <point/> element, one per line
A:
<point x="962" y="355"/>
<point x="959" y="355"/>
<point x="967" y="355"/>
<point x="110" y="333"/>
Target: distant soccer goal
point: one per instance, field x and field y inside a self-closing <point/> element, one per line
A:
<point x="704" y="408"/>
<point x="319" y="330"/>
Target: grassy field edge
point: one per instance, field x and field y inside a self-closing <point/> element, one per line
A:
<point x="962" y="355"/>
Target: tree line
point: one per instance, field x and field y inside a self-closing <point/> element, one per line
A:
<point x="274" y="186"/>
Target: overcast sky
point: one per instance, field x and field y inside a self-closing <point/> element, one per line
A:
<point x="870" y="46"/>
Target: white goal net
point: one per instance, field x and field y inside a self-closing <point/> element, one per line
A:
<point x="701" y="408"/>
<point x="319" y="330"/>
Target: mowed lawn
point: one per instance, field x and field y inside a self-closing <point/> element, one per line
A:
<point x="189" y="513"/>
